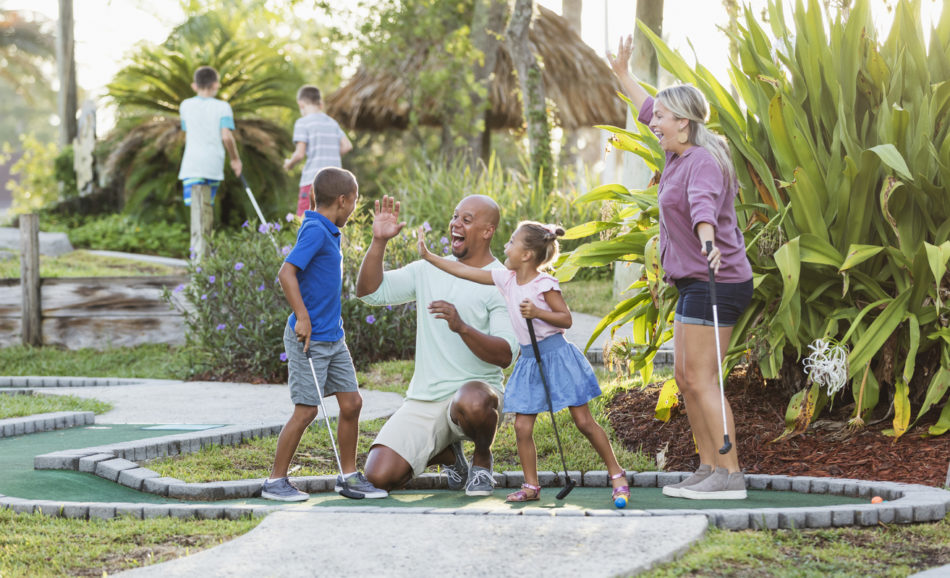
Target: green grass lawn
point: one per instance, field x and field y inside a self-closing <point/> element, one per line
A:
<point x="594" y="297"/>
<point x="895" y="550"/>
<point x="315" y="457"/>
<point x="13" y="405"/>
<point x="35" y="545"/>
<point x="144" y="361"/>
<point x="86" y="264"/>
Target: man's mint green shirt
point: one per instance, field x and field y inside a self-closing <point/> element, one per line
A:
<point x="443" y="362"/>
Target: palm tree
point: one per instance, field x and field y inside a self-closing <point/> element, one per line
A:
<point x="24" y="45"/>
<point x="146" y="147"/>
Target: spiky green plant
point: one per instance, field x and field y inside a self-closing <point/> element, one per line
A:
<point x="843" y="158"/>
<point x="258" y="83"/>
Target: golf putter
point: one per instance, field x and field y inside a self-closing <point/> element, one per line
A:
<point x="257" y="209"/>
<point x="345" y="492"/>
<point x="569" y="483"/>
<point x="726" y="444"/>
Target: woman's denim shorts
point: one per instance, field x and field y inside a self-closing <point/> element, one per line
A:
<point x="694" y="306"/>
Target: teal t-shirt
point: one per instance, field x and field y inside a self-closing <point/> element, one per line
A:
<point x="202" y="120"/>
<point x="443" y="362"/>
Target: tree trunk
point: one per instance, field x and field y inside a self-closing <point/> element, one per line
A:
<point x="570" y="154"/>
<point x="66" y="68"/>
<point x="643" y="60"/>
<point x="523" y="55"/>
<point x="488" y="23"/>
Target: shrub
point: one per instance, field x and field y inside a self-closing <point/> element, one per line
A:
<point x="235" y="311"/>
<point x="841" y="153"/>
<point x="34" y="185"/>
<point x="124" y="233"/>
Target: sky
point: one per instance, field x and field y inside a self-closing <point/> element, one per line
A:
<point x="105" y="30"/>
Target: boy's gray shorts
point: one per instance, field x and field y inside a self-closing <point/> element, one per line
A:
<point x="333" y="365"/>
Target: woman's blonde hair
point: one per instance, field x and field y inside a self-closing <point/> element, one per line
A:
<point x="687" y="102"/>
<point x="542" y="239"/>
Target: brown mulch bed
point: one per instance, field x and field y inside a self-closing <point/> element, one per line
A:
<point x="828" y="448"/>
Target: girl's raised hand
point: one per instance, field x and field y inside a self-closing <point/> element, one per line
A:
<point x="421" y="244"/>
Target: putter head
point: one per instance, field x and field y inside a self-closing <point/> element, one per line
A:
<point x="726" y="445"/>
<point x="566" y="489"/>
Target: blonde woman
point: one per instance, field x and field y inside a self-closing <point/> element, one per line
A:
<point x="696" y="194"/>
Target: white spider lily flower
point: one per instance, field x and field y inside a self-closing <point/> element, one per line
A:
<point x="827" y="365"/>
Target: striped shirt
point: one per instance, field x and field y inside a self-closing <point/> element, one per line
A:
<point x="322" y="135"/>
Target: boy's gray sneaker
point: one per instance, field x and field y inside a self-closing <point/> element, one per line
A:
<point x="358" y="483"/>
<point x="720" y="485"/>
<point x="481" y="482"/>
<point x="457" y="473"/>
<point x="283" y="491"/>
<point x="676" y="490"/>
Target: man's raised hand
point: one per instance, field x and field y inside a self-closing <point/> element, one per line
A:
<point x="386" y="223"/>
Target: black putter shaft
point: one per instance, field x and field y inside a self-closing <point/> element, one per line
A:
<point x="568" y="483"/>
<point x="345" y="492"/>
<point x="726" y="444"/>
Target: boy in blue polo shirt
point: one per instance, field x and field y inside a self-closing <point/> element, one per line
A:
<point x="312" y="280"/>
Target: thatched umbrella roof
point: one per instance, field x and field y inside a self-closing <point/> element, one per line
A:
<point x="576" y="79"/>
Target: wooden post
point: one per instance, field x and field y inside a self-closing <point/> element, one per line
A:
<point x="30" y="327"/>
<point x="202" y="219"/>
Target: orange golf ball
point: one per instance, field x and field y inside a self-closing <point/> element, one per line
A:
<point x="877" y="500"/>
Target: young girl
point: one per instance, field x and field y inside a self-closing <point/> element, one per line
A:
<point x="531" y="294"/>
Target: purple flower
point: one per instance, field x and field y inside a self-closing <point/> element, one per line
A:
<point x="245" y="225"/>
<point x="220" y="327"/>
<point x="211" y="279"/>
<point x="238" y="266"/>
<point x="264" y="228"/>
<point x="276" y="226"/>
<point x="289" y="217"/>
<point x="444" y="241"/>
<point x="229" y="283"/>
<point x="370" y="319"/>
<point x="204" y="297"/>
<point x="426" y="226"/>
<point x="198" y="269"/>
<point x="283" y="357"/>
<point x="285" y="250"/>
<point x="262" y="287"/>
<point x="240" y="326"/>
<point x="390" y="307"/>
<point x="179" y="289"/>
<point x="445" y="250"/>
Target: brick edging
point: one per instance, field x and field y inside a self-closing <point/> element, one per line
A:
<point x="40" y="422"/>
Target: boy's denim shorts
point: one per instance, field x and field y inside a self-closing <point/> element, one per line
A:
<point x="333" y="365"/>
<point x="694" y="306"/>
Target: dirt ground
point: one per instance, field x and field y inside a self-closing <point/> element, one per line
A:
<point x="828" y="448"/>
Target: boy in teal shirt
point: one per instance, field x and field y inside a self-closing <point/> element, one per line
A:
<point x="207" y="122"/>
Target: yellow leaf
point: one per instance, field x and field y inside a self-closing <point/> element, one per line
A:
<point x="901" y="408"/>
<point x="667" y="401"/>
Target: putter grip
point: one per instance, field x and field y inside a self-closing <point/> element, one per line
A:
<point x="712" y="274"/>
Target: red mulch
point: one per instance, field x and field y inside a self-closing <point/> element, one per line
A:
<point x="828" y="448"/>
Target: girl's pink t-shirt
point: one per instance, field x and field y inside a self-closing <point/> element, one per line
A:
<point x="534" y="291"/>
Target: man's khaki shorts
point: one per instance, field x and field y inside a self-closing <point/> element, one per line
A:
<point x="420" y="430"/>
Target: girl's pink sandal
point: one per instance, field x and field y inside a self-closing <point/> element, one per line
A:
<point x="522" y="494"/>
<point x="620" y="490"/>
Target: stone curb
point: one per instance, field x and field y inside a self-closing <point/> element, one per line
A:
<point x="15" y="426"/>
<point x="16" y="382"/>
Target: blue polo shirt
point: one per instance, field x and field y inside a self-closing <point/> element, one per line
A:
<point x="317" y="254"/>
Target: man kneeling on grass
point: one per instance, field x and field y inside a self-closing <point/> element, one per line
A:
<point x="463" y="341"/>
<point x="312" y="280"/>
